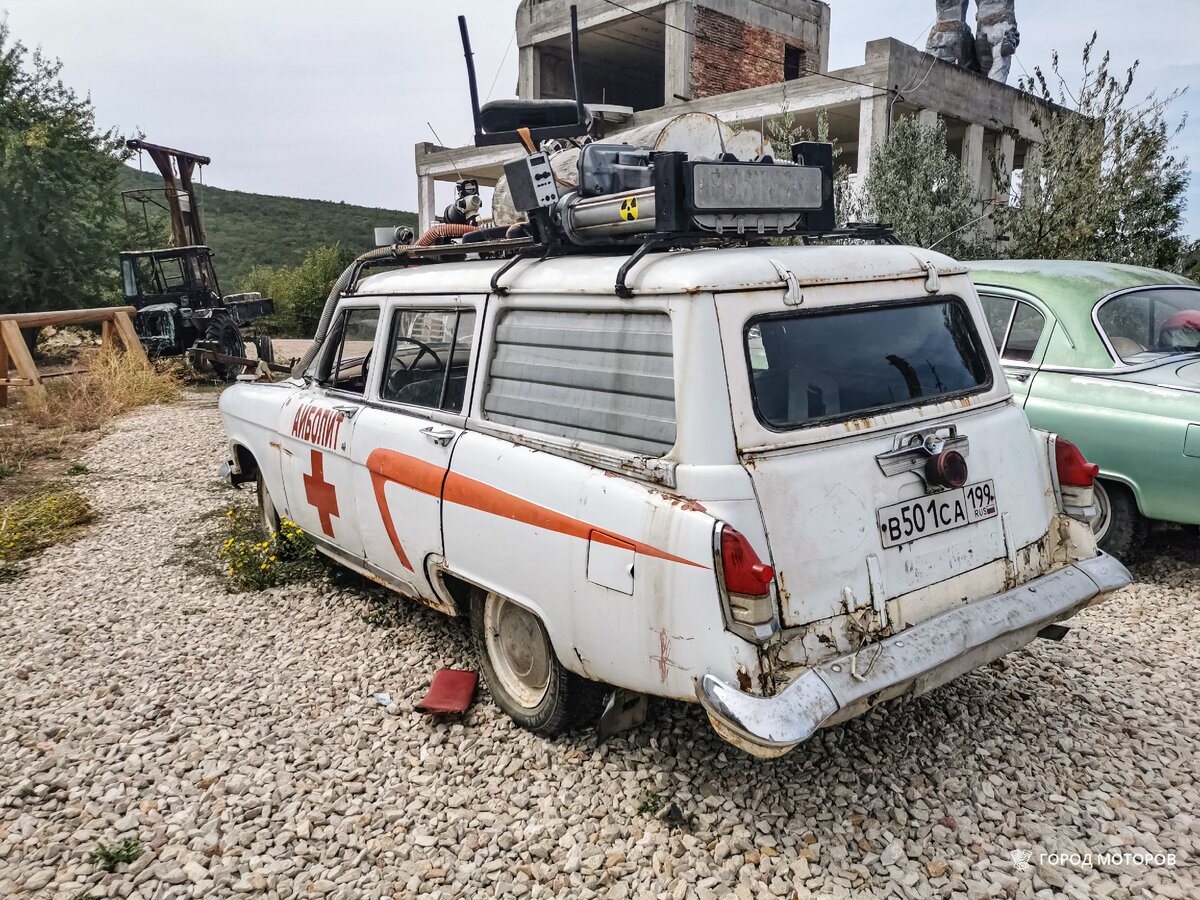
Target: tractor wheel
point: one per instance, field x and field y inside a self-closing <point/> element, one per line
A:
<point x="228" y="341"/>
<point x="265" y="348"/>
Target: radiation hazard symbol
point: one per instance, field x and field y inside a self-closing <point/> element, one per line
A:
<point x="629" y="210"/>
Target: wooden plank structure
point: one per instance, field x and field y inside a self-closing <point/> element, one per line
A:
<point x="116" y="323"/>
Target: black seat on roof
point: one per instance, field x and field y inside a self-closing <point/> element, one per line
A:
<point x="509" y="115"/>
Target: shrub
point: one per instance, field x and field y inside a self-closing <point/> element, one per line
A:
<point x="109" y="857"/>
<point x="115" y="383"/>
<point x="254" y="563"/>
<point x="32" y="523"/>
<point x="300" y="291"/>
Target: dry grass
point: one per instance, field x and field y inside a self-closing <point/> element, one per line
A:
<point x="114" y="383"/>
<point x="37" y="521"/>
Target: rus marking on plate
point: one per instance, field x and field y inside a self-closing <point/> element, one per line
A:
<point x="629" y="210"/>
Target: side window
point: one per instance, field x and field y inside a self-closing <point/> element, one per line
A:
<point x="1023" y="337"/>
<point x="1129" y="323"/>
<point x="172" y="271"/>
<point x="998" y="311"/>
<point x="600" y="377"/>
<point x="348" y="364"/>
<point x="429" y="353"/>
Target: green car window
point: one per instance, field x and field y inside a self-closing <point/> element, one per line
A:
<point x="1023" y="336"/>
<point x="1133" y="322"/>
<point x="998" y="311"/>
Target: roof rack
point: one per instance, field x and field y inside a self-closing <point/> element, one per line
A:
<point x="634" y="200"/>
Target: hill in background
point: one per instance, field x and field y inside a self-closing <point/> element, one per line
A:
<point x="247" y="230"/>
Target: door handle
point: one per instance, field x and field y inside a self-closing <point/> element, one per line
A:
<point x="440" y="436"/>
<point x="348" y="411"/>
<point x="1020" y="375"/>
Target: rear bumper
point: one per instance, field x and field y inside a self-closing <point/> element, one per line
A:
<point x="914" y="661"/>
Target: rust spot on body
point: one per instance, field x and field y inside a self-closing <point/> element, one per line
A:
<point x="743" y="678"/>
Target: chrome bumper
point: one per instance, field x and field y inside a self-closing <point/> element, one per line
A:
<point x="916" y="660"/>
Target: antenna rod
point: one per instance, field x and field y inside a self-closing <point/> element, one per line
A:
<point x="580" y="111"/>
<point x="470" y="57"/>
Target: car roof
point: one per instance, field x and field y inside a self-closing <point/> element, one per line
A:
<point x="692" y="271"/>
<point x="1068" y="281"/>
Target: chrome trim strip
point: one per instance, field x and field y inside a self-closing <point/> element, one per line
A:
<point x="1115" y="370"/>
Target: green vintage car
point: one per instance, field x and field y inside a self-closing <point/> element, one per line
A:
<point x="1108" y="356"/>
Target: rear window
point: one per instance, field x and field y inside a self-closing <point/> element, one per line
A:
<point x="833" y="364"/>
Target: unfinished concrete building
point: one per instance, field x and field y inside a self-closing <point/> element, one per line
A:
<point x="745" y="61"/>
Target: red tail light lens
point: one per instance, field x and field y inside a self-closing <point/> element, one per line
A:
<point x="1073" y="469"/>
<point x="744" y="572"/>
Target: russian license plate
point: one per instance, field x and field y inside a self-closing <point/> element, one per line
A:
<point x="913" y="519"/>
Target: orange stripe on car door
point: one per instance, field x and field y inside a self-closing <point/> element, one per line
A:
<point x="427" y="478"/>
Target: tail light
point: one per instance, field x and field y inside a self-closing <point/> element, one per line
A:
<point x="746" y="581"/>
<point x="1076" y="476"/>
<point x="1073" y="469"/>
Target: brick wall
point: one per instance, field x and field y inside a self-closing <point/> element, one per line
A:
<point x="731" y="55"/>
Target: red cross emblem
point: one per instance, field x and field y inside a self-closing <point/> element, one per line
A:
<point x="320" y="493"/>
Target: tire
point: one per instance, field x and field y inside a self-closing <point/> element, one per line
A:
<point x="268" y="516"/>
<point x="229" y="341"/>
<point x="1119" y="527"/>
<point x="522" y="671"/>
<point x="265" y="348"/>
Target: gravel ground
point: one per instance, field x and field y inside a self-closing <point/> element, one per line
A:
<point x="237" y="739"/>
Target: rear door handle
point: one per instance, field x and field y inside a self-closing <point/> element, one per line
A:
<point x="1021" y="375"/>
<point x="440" y="436"/>
<point x="348" y="411"/>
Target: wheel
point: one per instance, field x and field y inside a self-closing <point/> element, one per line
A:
<point x="265" y="348"/>
<point x="1119" y="526"/>
<point x="229" y="342"/>
<point x="521" y="670"/>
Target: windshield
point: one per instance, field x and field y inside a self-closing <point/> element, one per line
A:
<point x="1142" y="325"/>
<point x="812" y="367"/>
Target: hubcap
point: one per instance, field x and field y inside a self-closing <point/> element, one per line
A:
<point x="518" y="650"/>
<point x="1103" y="517"/>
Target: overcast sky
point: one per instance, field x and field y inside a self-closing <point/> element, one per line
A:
<point x="313" y="98"/>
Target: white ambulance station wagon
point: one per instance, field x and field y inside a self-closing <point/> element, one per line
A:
<point x="789" y="483"/>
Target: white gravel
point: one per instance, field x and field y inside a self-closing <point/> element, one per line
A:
<point x="237" y="738"/>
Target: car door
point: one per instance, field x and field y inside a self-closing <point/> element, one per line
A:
<point x="316" y="429"/>
<point x="402" y="443"/>
<point x="1020" y="328"/>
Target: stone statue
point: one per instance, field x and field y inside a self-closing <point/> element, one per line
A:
<point x="996" y="37"/>
<point x="951" y="37"/>
<point x="989" y="51"/>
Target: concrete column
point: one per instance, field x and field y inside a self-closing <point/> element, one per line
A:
<point x="1033" y="163"/>
<point x="529" y="74"/>
<point x="426" y="203"/>
<point x="824" y="32"/>
<point x="872" y="129"/>
<point x="972" y="156"/>
<point x="1033" y="157"/>
<point x="677" y="51"/>
<point x="1006" y="146"/>
<point x="928" y="117"/>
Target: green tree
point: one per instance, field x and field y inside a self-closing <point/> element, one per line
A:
<point x="59" y="227"/>
<point x="299" y="291"/>
<point x="1108" y="185"/>
<point x="918" y="187"/>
